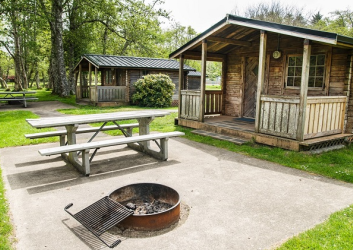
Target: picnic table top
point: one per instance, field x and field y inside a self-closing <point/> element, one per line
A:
<point x="18" y="92"/>
<point x="92" y="118"/>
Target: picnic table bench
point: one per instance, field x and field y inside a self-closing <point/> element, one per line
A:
<point x="17" y="96"/>
<point x="71" y="151"/>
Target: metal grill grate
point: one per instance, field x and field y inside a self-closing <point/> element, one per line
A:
<point x="101" y="216"/>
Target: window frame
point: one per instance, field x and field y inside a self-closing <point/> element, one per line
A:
<point x="298" y="87"/>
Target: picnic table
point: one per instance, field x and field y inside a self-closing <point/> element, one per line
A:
<point x="72" y="123"/>
<point x="17" y="96"/>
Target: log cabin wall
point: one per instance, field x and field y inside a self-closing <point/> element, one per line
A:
<point x="336" y="72"/>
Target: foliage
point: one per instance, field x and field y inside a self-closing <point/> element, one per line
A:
<point x="278" y="13"/>
<point x="335" y="233"/>
<point x="155" y="90"/>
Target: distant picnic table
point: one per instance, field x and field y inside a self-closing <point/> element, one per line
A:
<point x="17" y="96"/>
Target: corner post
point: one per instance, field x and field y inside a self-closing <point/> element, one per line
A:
<point x="181" y="83"/>
<point x="90" y="74"/>
<point x="304" y="90"/>
<point x="95" y="98"/>
<point x="261" y="78"/>
<point x="203" y="81"/>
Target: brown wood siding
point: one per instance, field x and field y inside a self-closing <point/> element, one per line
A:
<point x="234" y="88"/>
<point x="337" y="68"/>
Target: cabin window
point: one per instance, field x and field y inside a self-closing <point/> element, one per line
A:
<point x="145" y="72"/>
<point x="316" y="72"/>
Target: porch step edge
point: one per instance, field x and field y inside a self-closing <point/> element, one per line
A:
<point x="233" y="139"/>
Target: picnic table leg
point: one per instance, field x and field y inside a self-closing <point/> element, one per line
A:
<point x="24" y="100"/>
<point x="71" y="139"/>
<point x="144" y="129"/>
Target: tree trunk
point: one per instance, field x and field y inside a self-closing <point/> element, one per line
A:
<point x="57" y="70"/>
<point x="3" y="83"/>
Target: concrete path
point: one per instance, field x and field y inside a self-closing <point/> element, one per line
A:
<point x="235" y="202"/>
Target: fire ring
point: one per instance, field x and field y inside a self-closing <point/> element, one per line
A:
<point x="148" y="193"/>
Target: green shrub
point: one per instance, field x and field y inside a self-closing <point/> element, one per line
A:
<point x="154" y="91"/>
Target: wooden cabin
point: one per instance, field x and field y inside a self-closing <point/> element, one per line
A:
<point x="106" y="80"/>
<point x="283" y="86"/>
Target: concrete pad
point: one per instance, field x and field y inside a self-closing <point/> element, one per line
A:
<point x="236" y="202"/>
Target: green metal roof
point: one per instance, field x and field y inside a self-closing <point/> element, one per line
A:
<point x="134" y="62"/>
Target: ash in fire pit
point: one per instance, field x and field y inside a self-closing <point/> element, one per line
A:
<point x="147" y="207"/>
<point x="155" y="206"/>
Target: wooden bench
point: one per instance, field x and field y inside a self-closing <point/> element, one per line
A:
<point x="20" y="99"/>
<point x="62" y="133"/>
<point x="84" y="166"/>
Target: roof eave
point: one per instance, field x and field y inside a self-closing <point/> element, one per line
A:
<point x="284" y="32"/>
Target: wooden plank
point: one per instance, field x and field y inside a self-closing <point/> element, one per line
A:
<point x="285" y="117"/>
<point x="261" y="77"/>
<point x="293" y="118"/>
<point x="338" y="116"/>
<point x="229" y="41"/>
<point x="329" y="116"/>
<point x="272" y="118"/>
<point x="334" y="116"/>
<point x="307" y="120"/>
<point x="316" y="107"/>
<point x="266" y="115"/>
<point x="325" y="117"/>
<point x="312" y="118"/>
<point x="278" y="118"/>
<point x="283" y="99"/>
<point x="321" y="115"/>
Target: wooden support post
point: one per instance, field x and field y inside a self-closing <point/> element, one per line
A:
<point x="203" y="81"/>
<point x="181" y="83"/>
<point x="304" y="90"/>
<point x="90" y="74"/>
<point x="224" y="84"/>
<point x="96" y="77"/>
<point x="80" y="78"/>
<point x="261" y="78"/>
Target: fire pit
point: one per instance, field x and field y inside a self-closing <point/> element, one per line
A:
<point x="155" y="206"/>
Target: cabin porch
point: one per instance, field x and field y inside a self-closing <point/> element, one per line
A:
<point x="242" y="130"/>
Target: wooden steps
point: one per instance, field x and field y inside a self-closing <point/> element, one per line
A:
<point x="234" y="139"/>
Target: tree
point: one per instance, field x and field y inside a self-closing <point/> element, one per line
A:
<point x="57" y="69"/>
<point x="278" y="13"/>
<point x="14" y="12"/>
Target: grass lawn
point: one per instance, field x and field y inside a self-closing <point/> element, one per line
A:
<point x="335" y="233"/>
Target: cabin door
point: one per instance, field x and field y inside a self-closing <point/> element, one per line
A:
<point x="250" y="86"/>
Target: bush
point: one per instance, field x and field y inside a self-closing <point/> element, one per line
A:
<point x="154" y="91"/>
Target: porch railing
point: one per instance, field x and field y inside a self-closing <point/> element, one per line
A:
<point x="108" y="93"/>
<point x="324" y="116"/>
<point x="213" y="102"/>
<point x="190" y="103"/>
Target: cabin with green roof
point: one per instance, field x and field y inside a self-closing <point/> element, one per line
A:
<point x="107" y="80"/>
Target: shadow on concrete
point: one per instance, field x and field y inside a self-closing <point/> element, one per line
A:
<point x="89" y="239"/>
<point x="45" y="161"/>
<point x="51" y="178"/>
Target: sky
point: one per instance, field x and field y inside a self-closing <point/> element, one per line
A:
<point x="202" y="14"/>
